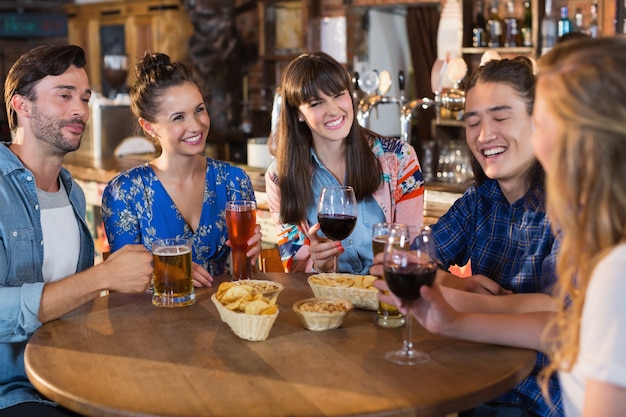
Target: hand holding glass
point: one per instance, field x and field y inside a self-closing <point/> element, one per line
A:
<point x="388" y="314"/>
<point x="406" y="270"/>
<point x="336" y="213"/>
<point x="240" y="222"/>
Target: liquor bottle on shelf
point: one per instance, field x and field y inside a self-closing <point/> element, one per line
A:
<point x="527" y="25"/>
<point x="579" y="24"/>
<point x="564" y="25"/>
<point x="494" y="27"/>
<point x="479" y="27"/>
<point x="593" y="24"/>
<point x="511" y="26"/>
<point x="548" y="29"/>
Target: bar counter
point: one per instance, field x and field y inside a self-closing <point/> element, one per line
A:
<point x="437" y="199"/>
<point x="102" y="170"/>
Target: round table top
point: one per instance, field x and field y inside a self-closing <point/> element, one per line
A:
<point x="120" y="356"/>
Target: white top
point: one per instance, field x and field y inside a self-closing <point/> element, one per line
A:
<point x="61" y="238"/>
<point x="602" y="354"/>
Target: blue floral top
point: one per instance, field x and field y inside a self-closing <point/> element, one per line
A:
<point x="136" y="208"/>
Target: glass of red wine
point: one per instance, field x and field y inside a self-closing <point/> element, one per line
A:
<point x="336" y="213"/>
<point x="407" y="268"/>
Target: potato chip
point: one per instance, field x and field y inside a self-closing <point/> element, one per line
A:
<point x="222" y="289"/>
<point x="270" y="310"/>
<point x="256" y="307"/>
<point x="236" y="292"/>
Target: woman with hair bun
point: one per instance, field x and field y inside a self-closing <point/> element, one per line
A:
<point x="181" y="193"/>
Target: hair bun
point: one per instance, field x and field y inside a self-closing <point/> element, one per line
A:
<point x="152" y="62"/>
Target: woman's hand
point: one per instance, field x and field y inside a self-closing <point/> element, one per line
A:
<point x="201" y="277"/>
<point x="322" y="250"/>
<point x="434" y="312"/>
<point x="385" y="296"/>
<point x="431" y="310"/>
<point x="254" y="243"/>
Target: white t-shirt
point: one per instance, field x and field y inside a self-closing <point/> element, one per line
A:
<point x="61" y="239"/>
<point x="602" y="354"/>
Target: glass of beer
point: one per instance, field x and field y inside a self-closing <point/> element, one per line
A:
<point x="388" y="315"/>
<point x="172" y="279"/>
<point x="240" y="222"/>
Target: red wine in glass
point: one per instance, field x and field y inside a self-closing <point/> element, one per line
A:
<point x="405" y="281"/>
<point x="406" y="269"/>
<point x="336" y="226"/>
<point x="336" y="213"/>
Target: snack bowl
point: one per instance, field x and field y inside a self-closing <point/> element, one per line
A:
<point x="341" y="285"/>
<point x="322" y="313"/>
<point x="253" y="327"/>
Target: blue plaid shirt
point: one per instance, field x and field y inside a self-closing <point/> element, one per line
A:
<point x="512" y="244"/>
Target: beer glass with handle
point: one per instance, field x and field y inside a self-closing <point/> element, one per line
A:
<point x="406" y="269"/>
<point x="388" y="314"/>
<point x="337" y="213"/>
<point x="172" y="278"/>
<point x="240" y="222"/>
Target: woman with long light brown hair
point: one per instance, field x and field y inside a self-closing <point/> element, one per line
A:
<point x="580" y="139"/>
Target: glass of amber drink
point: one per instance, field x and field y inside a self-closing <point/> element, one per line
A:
<point x="240" y="222"/>
<point x="172" y="279"/>
<point x="388" y="314"/>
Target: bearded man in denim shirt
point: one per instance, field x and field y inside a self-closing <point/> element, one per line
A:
<point x="46" y="250"/>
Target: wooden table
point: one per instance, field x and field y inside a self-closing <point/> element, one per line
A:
<point x="120" y="356"/>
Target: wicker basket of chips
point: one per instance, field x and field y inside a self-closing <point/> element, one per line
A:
<point x="249" y="310"/>
<point x="357" y="289"/>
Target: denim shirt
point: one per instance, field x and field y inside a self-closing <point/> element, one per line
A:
<point x="21" y="277"/>
<point x="357" y="255"/>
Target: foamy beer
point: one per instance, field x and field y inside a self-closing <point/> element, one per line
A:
<point x="240" y="222"/>
<point x="172" y="279"/>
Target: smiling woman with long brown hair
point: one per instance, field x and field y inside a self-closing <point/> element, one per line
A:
<point x="318" y="142"/>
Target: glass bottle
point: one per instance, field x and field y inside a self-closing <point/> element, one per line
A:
<point x="579" y="25"/>
<point x="494" y="27"/>
<point x="564" y="25"/>
<point x="527" y="25"/>
<point x="548" y="28"/>
<point x="593" y="25"/>
<point x="511" y="26"/>
<point x="479" y="28"/>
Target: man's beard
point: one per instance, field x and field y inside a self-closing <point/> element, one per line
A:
<point x="49" y="130"/>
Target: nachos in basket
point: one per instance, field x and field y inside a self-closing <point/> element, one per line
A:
<point x="363" y="282"/>
<point x="245" y="298"/>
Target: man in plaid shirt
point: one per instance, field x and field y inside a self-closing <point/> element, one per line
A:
<point x="500" y="225"/>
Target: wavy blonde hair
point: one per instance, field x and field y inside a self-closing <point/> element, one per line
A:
<point x="584" y="86"/>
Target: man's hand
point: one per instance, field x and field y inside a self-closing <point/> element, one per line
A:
<point x="129" y="269"/>
<point x="479" y="284"/>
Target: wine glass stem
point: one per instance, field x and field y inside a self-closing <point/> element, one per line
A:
<point x="407" y="346"/>
<point x="336" y="263"/>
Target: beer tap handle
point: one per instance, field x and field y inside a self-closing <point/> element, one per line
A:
<point x="401" y="82"/>
<point x="355" y="86"/>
